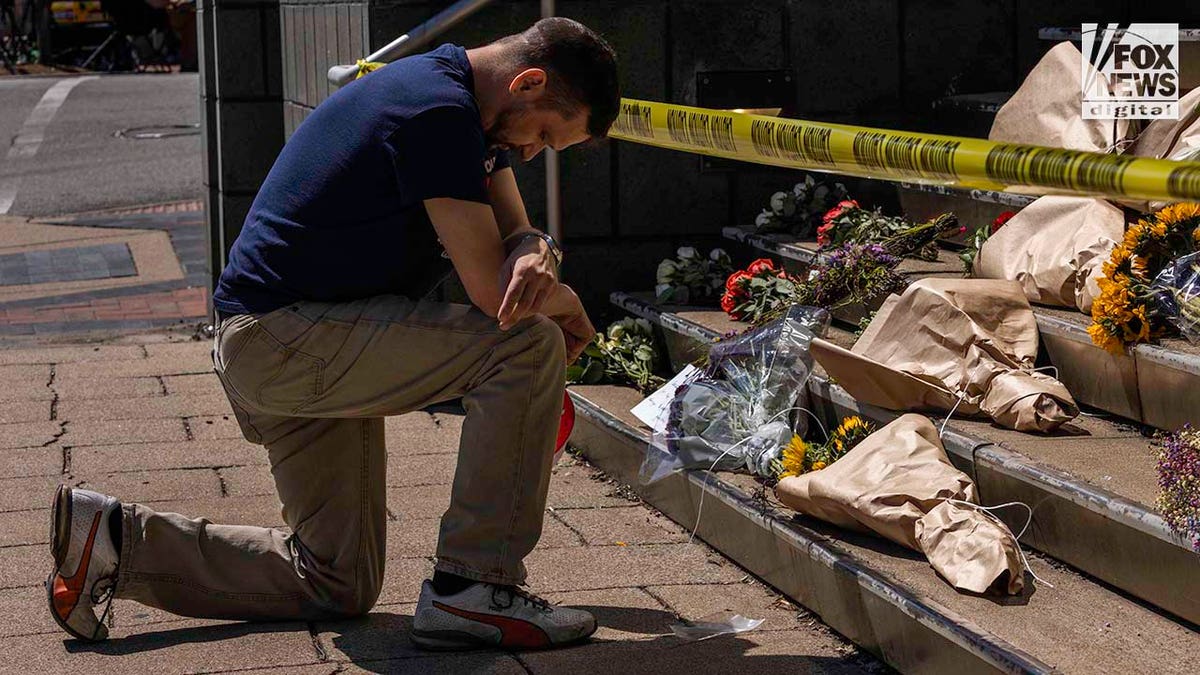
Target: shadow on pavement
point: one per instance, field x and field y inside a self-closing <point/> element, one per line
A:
<point x="163" y="639"/>
<point x="379" y="643"/>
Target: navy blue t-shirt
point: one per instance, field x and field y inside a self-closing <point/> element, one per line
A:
<point x="340" y="215"/>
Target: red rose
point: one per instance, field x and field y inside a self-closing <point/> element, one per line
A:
<point x="760" y="266"/>
<point x="1001" y="220"/>
<point x="823" y="234"/>
<point x="734" y="283"/>
<point x="837" y="211"/>
<point x="728" y="304"/>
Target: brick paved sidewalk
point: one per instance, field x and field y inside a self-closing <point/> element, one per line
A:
<point x="137" y="268"/>
<point x="145" y="419"/>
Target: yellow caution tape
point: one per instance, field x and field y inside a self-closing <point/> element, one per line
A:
<point x="902" y="155"/>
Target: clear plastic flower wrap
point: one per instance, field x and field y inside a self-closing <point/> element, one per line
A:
<point x="740" y="414"/>
<point x="1179" y="294"/>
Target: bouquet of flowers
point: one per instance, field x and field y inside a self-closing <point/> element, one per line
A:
<point x="848" y="222"/>
<point x="1130" y="308"/>
<point x="971" y="252"/>
<point x="1178" y="294"/>
<point x="898" y="483"/>
<point x="849" y="274"/>
<point x="800" y="456"/>
<point x="799" y="210"/>
<point x="742" y="412"/>
<point x="625" y="353"/>
<point x="692" y="279"/>
<point x="757" y="291"/>
<point x="1179" y="483"/>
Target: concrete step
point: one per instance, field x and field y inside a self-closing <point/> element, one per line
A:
<point x="969" y="115"/>
<point x="974" y="208"/>
<point x="1090" y="484"/>
<point x="1158" y="385"/>
<point x="984" y="102"/>
<point x="883" y="597"/>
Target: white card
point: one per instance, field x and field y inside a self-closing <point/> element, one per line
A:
<point x="655" y="409"/>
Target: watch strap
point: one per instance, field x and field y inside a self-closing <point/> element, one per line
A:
<point x="555" y="249"/>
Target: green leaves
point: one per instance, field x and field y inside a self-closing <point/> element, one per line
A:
<point x="591" y="372"/>
<point x="692" y="279"/>
<point x="974" y="246"/>
<point x="623" y="354"/>
<point x="799" y="210"/>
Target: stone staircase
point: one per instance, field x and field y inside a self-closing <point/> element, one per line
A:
<point x="1126" y="600"/>
<point x="1157" y="385"/>
<point x="1126" y="589"/>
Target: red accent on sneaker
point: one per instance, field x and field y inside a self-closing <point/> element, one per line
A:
<point x="513" y="632"/>
<point x="68" y="590"/>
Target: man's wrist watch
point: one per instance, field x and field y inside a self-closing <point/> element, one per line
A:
<point x="521" y="237"/>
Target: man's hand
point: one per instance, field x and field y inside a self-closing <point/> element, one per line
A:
<point x="570" y="316"/>
<point x="527" y="279"/>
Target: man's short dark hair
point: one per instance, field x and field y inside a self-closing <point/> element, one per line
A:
<point x="581" y="65"/>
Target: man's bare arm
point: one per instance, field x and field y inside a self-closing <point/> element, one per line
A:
<point x="469" y="233"/>
<point x="507" y="204"/>
<point x="530" y="273"/>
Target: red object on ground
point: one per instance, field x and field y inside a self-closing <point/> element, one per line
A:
<point x="565" y="424"/>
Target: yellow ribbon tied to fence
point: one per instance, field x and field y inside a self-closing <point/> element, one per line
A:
<point x="365" y="66"/>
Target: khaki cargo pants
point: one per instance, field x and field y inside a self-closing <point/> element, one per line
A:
<point x="312" y="382"/>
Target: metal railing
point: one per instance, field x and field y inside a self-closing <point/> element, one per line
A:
<point x="425" y="33"/>
<point x="412" y="40"/>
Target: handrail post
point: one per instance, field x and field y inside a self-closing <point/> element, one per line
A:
<point x="412" y="40"/>
<point x="553" y="191"/>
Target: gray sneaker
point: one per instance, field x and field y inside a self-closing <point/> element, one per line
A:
<point x="488" y="615"/>
<point x="85" y="561"/>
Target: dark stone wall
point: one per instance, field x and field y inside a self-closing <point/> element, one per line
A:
<point x="315" y="36"/>
<point x="241" y="109"/>
<point x="625" y="206"/>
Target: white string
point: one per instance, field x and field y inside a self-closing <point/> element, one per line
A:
<point x="963" y="394"/>
<point x="700" y="508"/>
<point x="987" y="511"/>
<point x="1037" y="370"/>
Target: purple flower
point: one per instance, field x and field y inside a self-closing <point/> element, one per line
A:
<point x="1179" y="483"/>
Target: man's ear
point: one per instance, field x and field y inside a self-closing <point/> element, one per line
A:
<point x="529" y="82"/>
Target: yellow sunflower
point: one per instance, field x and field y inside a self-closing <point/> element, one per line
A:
<point x="1106" y="340"/>
<point x="793" y="457"/>
<point x="1176" y="213"/>
<point x="1134" y="235"/>
<point x="1139" y="329"/>
<point x="852" y="424"/>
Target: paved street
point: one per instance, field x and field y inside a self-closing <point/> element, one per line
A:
<point x="144" y="419"/>
<point x="80" y="163"/>
<point x="99" y="231"/>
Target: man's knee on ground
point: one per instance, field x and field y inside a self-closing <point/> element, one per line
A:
<point x="348" y="600"/>
<point x="346" y="585"/>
